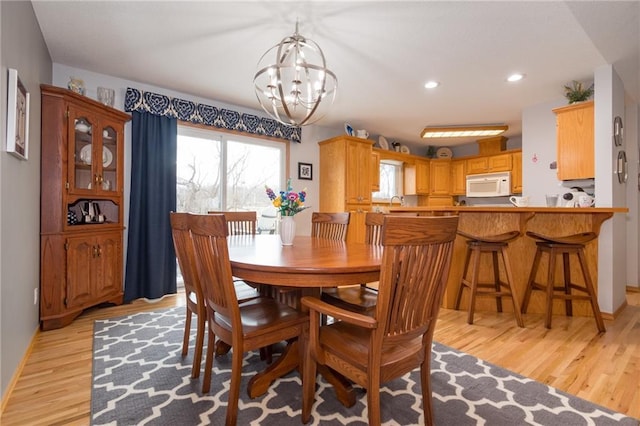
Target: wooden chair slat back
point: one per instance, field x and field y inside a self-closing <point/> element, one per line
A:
<point x="373" y="222"/>
<point x="209" y="234"/>
<point x="414" y="272"/>
<point x="185" y="254"/>
<point x="332" y="226"/>
<point x="240" y="223"/>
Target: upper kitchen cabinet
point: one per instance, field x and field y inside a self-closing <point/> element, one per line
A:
<point x="440" y="177"/>
<point x="489" y="164"/>
<point x="516" y="173"/>
<point x="346" y="180"/>
<point x="458" y="177"/>
<point x="416" y="177"/>
<point x="575" y="141"/>
<point x="375" y="171"/>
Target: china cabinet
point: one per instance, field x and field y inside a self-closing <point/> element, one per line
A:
<point x="81" y="220"/>
<point x="346" y="180"/>
<point x="575" y="141"/>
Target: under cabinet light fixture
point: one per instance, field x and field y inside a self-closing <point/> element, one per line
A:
<point x="463" y="131"/>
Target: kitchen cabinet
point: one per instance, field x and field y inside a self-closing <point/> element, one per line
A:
<point x="458" y="177"/>
<point x="439" y="201"/>
<point x="81" y="202"/>
<point x="375" y="171"/>
<point x="575" y="141"/>
<point x="417" y="180"/>
<point x="489" y="164"/>
<point x="516" y="173"/>
<point x="346" y="180"/>
<point x="440" y="177"/>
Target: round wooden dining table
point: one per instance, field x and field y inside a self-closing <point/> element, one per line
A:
<point x="306" y="266"/>
<point x="310" y="262"/>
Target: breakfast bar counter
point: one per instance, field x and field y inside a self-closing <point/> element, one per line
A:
<point x="551" y="221"/>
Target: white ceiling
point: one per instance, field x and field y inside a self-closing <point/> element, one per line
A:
<point x="381" y="52"/>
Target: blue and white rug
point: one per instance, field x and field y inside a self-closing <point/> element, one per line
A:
<point x="140" y="378"/>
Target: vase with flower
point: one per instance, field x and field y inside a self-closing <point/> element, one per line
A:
<point x="288" y="203"/>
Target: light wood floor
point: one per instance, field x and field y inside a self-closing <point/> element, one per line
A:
<point x="55" y="385"/>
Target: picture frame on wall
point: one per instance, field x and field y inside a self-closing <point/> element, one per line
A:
<point x="17" y="117"/>
<point x="305" y="171"/>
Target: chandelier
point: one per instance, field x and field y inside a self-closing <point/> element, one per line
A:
<point x="293" y="84"/>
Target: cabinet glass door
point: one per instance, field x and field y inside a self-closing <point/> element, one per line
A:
<point x="108" y="178"/>
<point x="82" y="148"/>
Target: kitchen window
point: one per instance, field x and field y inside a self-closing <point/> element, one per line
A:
<point x="391" y="181"/>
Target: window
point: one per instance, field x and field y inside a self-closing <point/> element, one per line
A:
<point x="220" y="171"/>
<point x="391" y="180"/>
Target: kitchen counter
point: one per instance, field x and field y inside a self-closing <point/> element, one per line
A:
<point x="552" y="221"/>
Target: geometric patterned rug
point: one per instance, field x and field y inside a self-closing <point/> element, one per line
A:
<point x="140" y="378"/>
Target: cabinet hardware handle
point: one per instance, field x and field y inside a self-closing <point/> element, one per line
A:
<point x="99" y="251"/>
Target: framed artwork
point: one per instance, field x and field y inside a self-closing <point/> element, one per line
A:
<point x="17" y="117"/>
<point x="305" y="171"/>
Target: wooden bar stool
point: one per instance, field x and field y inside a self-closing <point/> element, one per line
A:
<point x="494" y="245"/>
<point x="565" y="246"/>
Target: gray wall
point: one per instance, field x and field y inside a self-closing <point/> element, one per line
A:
<point x="618" y="242"/>
<point x="23" y="49"/>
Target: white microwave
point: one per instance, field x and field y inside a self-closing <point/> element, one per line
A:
<point x="489" y="185"/>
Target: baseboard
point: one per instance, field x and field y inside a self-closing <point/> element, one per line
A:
<point x="18" y="372"/>
<point x="633" y="289"/>
<point x="609" y="316"/>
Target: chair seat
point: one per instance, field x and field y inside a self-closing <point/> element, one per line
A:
<point x="358" y="298"/>
<point x="262" y="315"/>
<point x="499" y="238"/>
<point x="351" y="343"/>
<point x="581" y="238"/>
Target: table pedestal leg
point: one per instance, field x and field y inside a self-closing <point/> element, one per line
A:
<point x="290" y="360"/>
<point x="287" y="362"/>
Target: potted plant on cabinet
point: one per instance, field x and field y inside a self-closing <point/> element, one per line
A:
<point x="577" y="92"/>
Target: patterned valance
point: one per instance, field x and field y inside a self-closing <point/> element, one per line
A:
<point x="153" y="103"/>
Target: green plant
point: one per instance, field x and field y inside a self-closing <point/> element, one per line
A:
<point x="576" y="92"/>
<point x="431" y="151"/>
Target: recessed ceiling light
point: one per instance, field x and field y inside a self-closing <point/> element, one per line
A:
<point x="515" y="77"/>
<point x="431" y="84"/>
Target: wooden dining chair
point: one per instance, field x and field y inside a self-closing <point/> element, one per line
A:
<point x="359" y="298"/>
<point x="192" y="289"/>
<point x="241" y="223"/>
<point x="248" y="325"/>
<point x="372" y="350"/>
<point x="332" y="226"/>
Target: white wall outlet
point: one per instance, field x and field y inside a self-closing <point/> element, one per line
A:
<point x="35" y="296"/>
